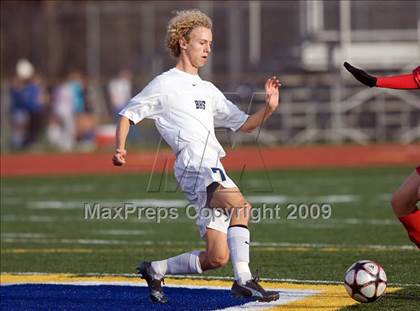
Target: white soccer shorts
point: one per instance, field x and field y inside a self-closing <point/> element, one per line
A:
<point x="194" y="184"/>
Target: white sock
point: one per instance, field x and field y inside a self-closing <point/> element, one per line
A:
<point x="188" y="263"/>
<point x="238" y="242"/>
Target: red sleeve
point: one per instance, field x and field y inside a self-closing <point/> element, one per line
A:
<point x="406" y="81"/>
<point x="416" y="75"/>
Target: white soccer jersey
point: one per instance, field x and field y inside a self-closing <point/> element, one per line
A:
<point x="186" y="109"/>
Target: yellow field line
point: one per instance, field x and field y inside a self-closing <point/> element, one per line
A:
<point x="323" y="249"/>
<point x="66" y="250"/>
<point x="330" y="297"/>
<point x="46" y="250"/>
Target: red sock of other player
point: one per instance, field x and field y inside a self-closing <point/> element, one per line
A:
<point x="411" y="223"/>
<point x="397" y="82"/>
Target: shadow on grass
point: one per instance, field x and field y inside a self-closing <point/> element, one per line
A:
<point x="404" y="299"/>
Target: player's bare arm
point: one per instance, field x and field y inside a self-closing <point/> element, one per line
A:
<point x="120" y="137"/>
<point x="272" y="86"/>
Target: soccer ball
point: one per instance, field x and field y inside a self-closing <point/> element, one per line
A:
<point x="365" y="281"/>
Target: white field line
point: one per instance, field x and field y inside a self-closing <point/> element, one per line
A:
<point x="95" y="242"/>
<point x="268" y="199"/>
<point x="337" y="198"/>
<point x="58" y="219"/>
<point x="286" y="296"/>
<point x="154" y="202"/>
<point x="123" y="232"/>
<point x="117" y="283"/>
<point x="316" y="224"/>
<point x="208" y="277"/>
<point x="22" y="235"/>
<point x="128" y="202"/>
<point x="82" y="283"/>
<point x="168" y="242"/>
<point x="367" y="221"/>
<point x="325" y="245"/>
<point x="349" y="221"/>
<point x="31" y="235"/>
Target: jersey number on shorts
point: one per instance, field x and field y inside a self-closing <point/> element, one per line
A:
<point x="220" y="171"/>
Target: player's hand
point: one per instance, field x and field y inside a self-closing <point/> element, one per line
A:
<point x="119" y="157"/>
<point x="272" y="86"/>
<point x="361" y="75"/>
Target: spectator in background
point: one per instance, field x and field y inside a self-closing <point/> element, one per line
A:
<point x="71" y="120"/>
<point x="119" y="90"/>
<point x="85" y="120"/>
<point x="62" y="130"/>
<point x="28" y="101"/>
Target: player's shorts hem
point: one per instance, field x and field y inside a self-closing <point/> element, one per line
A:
<point x="216" y="221"/>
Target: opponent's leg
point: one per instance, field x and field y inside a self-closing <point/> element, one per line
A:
<point x="238" y="239"/>
<point x="404" y="202"/>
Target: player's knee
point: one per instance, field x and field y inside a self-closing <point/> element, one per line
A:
<point x="397" y="203"/>
<point x="242" y="210"/>
<point x="247" y="209"/>
<point x="217" y="261"/>
<point x="247" y="206"/>
<point x="401" y="204"/>
<point x="418" y="193"/>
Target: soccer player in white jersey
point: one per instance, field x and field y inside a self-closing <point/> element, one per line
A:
<point x="186" y="109"/>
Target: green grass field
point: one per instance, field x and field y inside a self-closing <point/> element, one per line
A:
<point x="43" y="227"/>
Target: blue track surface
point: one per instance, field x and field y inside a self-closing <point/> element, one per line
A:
<point x="109" y="297"/>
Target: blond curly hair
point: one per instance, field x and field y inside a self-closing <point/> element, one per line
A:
<point x="181" y="25"/>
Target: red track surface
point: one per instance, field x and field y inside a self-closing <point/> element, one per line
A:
<point x="250" y="158"/>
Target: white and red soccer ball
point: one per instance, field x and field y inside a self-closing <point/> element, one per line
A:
<point x="365" y="281"/>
